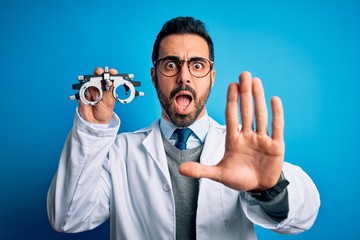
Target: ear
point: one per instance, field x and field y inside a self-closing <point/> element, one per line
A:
<point x="153" y="75"/>
<point x="213" y="73"/>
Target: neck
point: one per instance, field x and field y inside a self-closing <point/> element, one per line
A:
<point x="166" y="117"/>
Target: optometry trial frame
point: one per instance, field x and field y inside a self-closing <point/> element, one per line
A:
<point x="105" y="82"/>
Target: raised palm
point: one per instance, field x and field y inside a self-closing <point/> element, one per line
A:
<point x="252" y="160"/>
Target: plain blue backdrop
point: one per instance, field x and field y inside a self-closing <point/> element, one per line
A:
<point x="305" y="52"/>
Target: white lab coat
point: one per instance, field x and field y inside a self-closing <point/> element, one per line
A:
<point x="126" y="177"/>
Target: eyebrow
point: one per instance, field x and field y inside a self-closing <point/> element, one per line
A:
<point x="172" y="57"/>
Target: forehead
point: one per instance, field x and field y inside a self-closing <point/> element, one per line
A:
<point x="183" y="46"/>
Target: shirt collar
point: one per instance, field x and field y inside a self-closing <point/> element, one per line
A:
<point x="200" y="127"/>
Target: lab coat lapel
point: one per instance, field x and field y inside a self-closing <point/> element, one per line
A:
<point x="155" y="149"/>
<point x="214" y="144"/>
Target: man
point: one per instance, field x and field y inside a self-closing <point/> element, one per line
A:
<point x="216" y="183"/>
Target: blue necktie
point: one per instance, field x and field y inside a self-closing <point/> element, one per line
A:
<point x="183" y="136"/>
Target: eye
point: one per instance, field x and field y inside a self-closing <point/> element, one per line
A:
<point x="197" y="65"/>
<point x="170" y="64"/>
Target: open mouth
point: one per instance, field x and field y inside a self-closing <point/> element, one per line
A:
<point x="183" y="100"/>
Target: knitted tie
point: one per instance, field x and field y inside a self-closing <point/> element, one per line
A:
<point x="183" y="135"/>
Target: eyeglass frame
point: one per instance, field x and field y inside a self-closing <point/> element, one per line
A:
<point x="156" y="63"/>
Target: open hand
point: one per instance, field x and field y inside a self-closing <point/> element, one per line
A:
<point x="252" y="160"/>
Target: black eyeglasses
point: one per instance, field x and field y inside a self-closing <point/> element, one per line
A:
<point x="170" y="66"/>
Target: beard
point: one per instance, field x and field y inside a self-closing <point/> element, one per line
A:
<point x="182" y="120"/>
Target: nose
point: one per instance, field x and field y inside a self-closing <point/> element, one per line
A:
<point x="184" y="76"/>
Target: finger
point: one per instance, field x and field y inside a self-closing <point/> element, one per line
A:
<point x="278" y="119"/>
<point x="246" y="107"/>
<point x="92" y="94"/>
<point x="85" y="112"/>
<point x="261" y="113"/>
<point x="98" y="71"/>
<point x="197" y="170"/>
<point x="232" y="118"/>
<point x="82" y="108"/>
<point x="113" y="71"/>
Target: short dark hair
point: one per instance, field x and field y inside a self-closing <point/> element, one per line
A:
<point x="183" y="25"/>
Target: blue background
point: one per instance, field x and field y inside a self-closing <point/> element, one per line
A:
<point x="305" y="52"/>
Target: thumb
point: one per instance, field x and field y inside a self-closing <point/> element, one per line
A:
<point x="197" y="170"/>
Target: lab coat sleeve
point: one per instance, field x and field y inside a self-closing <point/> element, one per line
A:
<point x="78" y="197"/>
<point x="304" y="203"/>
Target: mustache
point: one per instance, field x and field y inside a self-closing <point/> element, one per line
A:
<point x="182" y="88"/>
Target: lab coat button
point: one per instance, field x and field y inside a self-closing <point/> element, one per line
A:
<point x="166" y="187"/>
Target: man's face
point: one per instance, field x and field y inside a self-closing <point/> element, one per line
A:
<point x="183" y="96"/>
